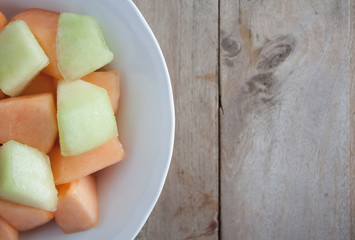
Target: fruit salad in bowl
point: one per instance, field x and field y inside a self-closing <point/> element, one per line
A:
<point x="75" y="101"/>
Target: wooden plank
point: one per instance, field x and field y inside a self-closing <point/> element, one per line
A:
<point x="188" y="35"/>
<point x="352" y="121"/>
<point x="284" y="125"/>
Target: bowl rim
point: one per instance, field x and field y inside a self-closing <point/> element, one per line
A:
<point x="171" y="116"/>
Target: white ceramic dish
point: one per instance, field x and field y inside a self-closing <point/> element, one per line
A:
<point x="129" y="190"/>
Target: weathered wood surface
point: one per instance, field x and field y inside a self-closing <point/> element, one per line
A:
<point x="352" y="120"/>
<point x="187" y="32"/>
<point x="284" y="126"/>
<point x="284" y="72"/>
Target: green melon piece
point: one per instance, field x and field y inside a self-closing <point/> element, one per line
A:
<point x="81" y="47"/>
<point x="85" y="117"/>
<point x="21" y="57"/>
<point x="26" y="177"/>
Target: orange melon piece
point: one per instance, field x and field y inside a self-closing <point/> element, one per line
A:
<point x="29" y="120"/>
<point x="108" y="80"/>
<point x="23" y="218"/>
<point x="68" y="169"/>
<point x="41" y="84"/>
<point x="78" y="208"/>
<point x="43" y="24"/>
<point x="2" y="95"/>
<point x="3" y="21"/>
<point x="7" y="232"/>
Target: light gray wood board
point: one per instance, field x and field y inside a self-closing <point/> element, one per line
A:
<point x="352" y="120"/>
<point x="188" y="35"/>
<point x="284" y="125"/>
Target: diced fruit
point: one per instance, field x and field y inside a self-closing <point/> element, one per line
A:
<point x="21" y="57"/>
<point x="23" y="218"/>
<point x="81" y="48"/>
<point x="3" y="21"/>
<point x="68" y="169"/>
<point x="56" y="81"/>
<point x="85" y="117"/>
<point x="40" y="84"/>
<point x="30" y="120"/>
<point x="2" y="95"/>
<point x="26" y="177"/>
<point x="43" y="24"/>
<point x="78" y="208"/>
<point x="109" y="81"/>
<point x="7" y="232"/>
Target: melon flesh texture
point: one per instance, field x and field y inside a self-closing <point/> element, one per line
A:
<point x="30" y="120"/>
<point x="26" y="177"/>
<point x="2" y="95"/>
<point x="40" y="84"/>
<point x="3" y="21"/>
<point x="68" y="169"/>
<point x="43" y="24"/>
<point x="109" y="81"/>
<point x="23" y="218"/>
<point x="85" y="117"/>
<point x="21" y="57"/>
<point x="81" y="48"/>
<point x="78" y="208"/>
<point x="7" y="232"/>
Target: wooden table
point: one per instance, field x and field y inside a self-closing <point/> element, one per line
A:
<point x="265" y="119"/>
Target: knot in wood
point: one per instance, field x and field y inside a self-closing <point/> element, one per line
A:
<point x="275" y="52"/>
<point x="231" y="46"/>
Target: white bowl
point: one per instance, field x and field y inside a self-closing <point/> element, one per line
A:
<point x="128" y="190"/>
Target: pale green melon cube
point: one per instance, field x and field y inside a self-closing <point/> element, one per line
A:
<point x="85" y="117"/>
<point x="21" y="57"/>
<point x="81" y="47"/>
<point x="26" y="177"/>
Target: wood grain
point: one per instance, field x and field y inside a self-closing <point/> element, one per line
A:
<point x="285" y="124"/>
<point x="287" y="107"/>
<point x="352" y="121"/>
<point x="188" y="35"/>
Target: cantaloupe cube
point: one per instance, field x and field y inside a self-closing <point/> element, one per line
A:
<point x="43" y="24"/>
<point x="2" y="95"/>
<point x="108" y="80"/>
<point x="26" y="177"/>
<point x="21" y="57"/>
<point x="23" y="218"/>
<point x="42" y="83"/>
<point x="30" y="120"/>
<point x="7" y="232"/>
<point x="85" y="117"/>
<point x="78" y="208"/>
<point x="68" y="169"/>
<point x="3" y="21"/>
<point x="81" y="48"/>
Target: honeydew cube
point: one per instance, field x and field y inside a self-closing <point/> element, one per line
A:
<point x="26" y="177"/>
<point x="81" y="47"/>
<point x="21" y="57"/>
<point x="85" y="117"/>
